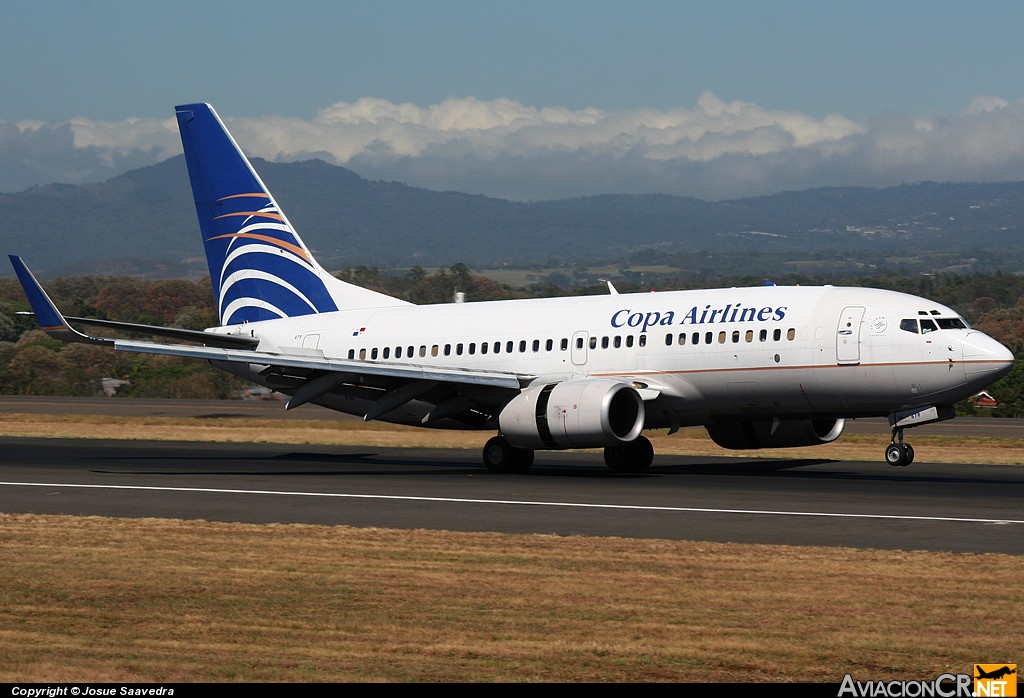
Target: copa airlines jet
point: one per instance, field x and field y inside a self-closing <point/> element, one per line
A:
<point x="758" y="367"/>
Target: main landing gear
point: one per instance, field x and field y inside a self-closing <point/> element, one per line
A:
<point x="898" y="453"/>
<point x="502" y="457"/>
<point x="634" y="457"/>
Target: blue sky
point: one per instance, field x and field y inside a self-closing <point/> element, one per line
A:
<point x="885" y="68"/>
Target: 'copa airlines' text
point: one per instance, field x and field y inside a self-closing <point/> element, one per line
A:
<point x="696" y="316"/>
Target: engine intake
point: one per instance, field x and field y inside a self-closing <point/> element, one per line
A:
<point x="785" y="433"/>
<point x="592" y="413"/>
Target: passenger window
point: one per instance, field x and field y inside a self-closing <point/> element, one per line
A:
<point x="423" y="350"/>
<point x="709" y="337"/>
<point x="483" y="347"/>
<point x="593" y="342"/>
<point x="447" y="349"/>
<point x="522" y="346"/>
<point x="618" y="341"/>
<point x="564" y="345"/>
<point x="509" y="347"/>
<point x="682" y="339"/>
<point x="497" y="347"/>
<point x="604" y="342"/>
<point x="668" y="340"/>
<point x="643" y="340"/>
<point x="398" y="352"/>
<point x="695" y="338"/>
<point x="763" y="335"/>
<point x="549" y="345"/>
<point x="791" y="334"/>
<point x="387" y="352"/>
<point x="721" y="337"/>
<point x="629" y="340"/>
<point x="362" y="355"/>
<point x="351" y="354"/>
<point x="735" y="336"/>
<point x="777" y="335"/>
<point x="458" y="349"/>
<point x="472" y="347"/>
<point x="536" y="345"/>
<point x="579" y="342"/>
<point x="749" y="336"/>
<point x="373" y="353"/>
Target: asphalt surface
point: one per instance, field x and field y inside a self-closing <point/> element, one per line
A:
<point x="968" y="508"/>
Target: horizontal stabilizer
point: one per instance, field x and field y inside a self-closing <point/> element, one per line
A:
<point x="210" y="339"/>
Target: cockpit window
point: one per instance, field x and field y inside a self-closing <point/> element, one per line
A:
<point x="928" y="326"/>
<point x="951" y="323"/>
<point x="909" y="325"/>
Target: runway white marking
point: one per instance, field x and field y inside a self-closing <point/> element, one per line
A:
<point x="513" y="502"/>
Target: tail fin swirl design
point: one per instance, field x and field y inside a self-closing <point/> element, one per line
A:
<point x="259" y="266"/>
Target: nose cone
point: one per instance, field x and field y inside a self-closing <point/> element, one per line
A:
<point x="985" y="359"/>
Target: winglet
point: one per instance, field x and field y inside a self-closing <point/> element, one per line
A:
<point x="49" y="318"/>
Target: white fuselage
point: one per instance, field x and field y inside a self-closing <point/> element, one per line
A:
<point x="696" y="356"/>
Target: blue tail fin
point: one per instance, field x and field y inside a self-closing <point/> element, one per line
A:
<point x="260" y="268"/>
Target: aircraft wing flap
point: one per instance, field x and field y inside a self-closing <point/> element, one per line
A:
<point x="495" y="379"/>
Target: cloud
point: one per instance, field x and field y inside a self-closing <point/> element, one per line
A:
<point x="716" y="149"/>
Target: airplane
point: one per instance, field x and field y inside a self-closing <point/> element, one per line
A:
<point x="761" y="367"/>
<point x="995" y="674"/>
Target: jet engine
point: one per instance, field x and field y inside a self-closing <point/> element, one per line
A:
<point x="591" y="413"/>
<point x="775" y="433"/>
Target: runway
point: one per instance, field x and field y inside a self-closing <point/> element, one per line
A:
<point x="965" y="508"/>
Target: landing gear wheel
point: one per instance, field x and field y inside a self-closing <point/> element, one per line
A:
<point x="899" y="454"/>
<point x="502" y="457"/>
<point x="634" y="457"/>
<point x="894" y="454"/>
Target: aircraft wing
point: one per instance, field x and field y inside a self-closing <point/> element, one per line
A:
<point x="55" y="324"/>
<point x="313" y="373"/>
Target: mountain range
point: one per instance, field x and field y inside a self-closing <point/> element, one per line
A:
<point x="143" y="222"/>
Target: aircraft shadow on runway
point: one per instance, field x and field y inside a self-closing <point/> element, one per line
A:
<point x="565" y="465"/>
<point x="389" y="464"/>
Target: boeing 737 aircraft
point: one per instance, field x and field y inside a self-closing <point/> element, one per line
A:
<point x="758" y="367"/>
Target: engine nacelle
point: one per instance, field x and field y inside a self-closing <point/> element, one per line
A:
<point x="773" y="433"/>
<point x="591" y="413"/>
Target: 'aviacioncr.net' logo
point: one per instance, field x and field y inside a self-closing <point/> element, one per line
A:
<point x="995" y="680"/>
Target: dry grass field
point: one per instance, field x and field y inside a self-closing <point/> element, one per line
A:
<point x="98" y="599"/>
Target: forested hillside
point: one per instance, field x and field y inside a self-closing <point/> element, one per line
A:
<point x="33" y="364"/>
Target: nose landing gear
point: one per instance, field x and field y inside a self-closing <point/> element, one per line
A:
<point x="899" y="453"/>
